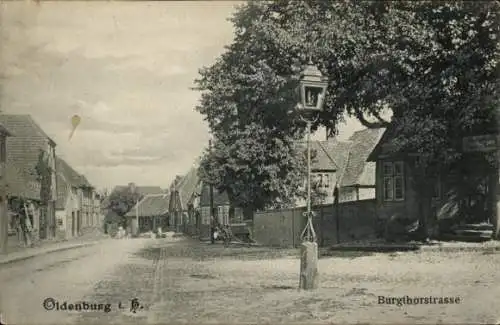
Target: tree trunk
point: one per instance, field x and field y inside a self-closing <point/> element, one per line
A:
<point x="424" y="198"/>
<point x="423" y="190"/>
<point x="496" y="220"/>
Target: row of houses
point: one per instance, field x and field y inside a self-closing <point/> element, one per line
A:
<point x="185" y="206"/>
<point x="43" y="197"/>
<point x="373" y="184"/>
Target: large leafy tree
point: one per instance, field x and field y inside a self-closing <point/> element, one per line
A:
<point x="247" y="103"/>
<point x="257" y="168"/>
<point x="433" y="64"/>
<point x="122" y="201"/>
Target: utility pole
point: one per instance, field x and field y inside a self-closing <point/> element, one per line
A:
<point x="212" y="220"/>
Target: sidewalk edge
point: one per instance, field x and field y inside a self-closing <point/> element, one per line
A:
<point x="411" y="248"/>
<point x="59" y="249"/>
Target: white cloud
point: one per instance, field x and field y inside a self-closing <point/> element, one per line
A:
<point x="126" y="69"/>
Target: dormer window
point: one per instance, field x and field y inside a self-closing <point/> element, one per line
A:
<point x="322" y="180"/>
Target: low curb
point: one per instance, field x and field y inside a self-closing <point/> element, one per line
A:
<point x="375" y="248"/>
<point x="455" y="249"/>
<point x="35" y="254"/>
<point x="387" y="248"/>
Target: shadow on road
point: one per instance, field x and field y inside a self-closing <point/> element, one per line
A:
<point x="201" y="251"/>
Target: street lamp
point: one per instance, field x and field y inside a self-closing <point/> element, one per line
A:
<point x="134" y="225"/>
<point x="312" y="94"/>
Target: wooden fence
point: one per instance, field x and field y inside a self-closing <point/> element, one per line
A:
<point x="356" y="220"/>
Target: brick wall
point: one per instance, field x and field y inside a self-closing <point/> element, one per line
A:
<point x="357" y="220"/>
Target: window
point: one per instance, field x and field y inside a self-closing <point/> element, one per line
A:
<point x="3" y="151"/>
<point x="223" y="214"/>
<point x="388" y="188"/>
<point x="322" y="181"/>
<point x="393" y="184"/>
<point x="326" y="181"/>
<point x="205" y="215"/>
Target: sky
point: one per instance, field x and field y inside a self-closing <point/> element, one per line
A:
<point x="126" y="68"/>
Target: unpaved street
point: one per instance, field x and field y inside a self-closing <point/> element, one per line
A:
<point x="245" y="285"/>
<point x="65" y="276"/>
<point x="182" y="281"/>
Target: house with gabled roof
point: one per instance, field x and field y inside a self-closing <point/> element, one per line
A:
<point x="358" y="180"/>
<point x="4" y="214"/>
<point x="462" y="197"/>
<point x="328" y="160"/>
<point x="224" y="212"/>
<point x="140" y="191"/>
<point x="68" y="207"/>
<point x="31" y="173"/>
<point x="92" y="215"/>
<point x="184" y="199"/>
<point x="77" y="206"/>
<point x="152" y="212"/>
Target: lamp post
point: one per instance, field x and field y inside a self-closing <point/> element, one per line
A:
<point x="212" y="216"/>
<point x="312" y="94"/>
<point x="135" y="222"/>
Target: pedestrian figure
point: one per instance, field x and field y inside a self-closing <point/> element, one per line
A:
<point x="25" y="225"/>
<point x="213" y="230"/>
<point x="228" y="236"/>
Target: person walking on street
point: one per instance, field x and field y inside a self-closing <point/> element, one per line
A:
<point x="213" y="232"/>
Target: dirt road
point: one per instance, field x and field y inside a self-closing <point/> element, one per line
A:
<point x="63" y="276"/>
<point x="189" y="282"/>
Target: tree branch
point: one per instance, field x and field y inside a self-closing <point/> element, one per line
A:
<point x="371" y="125"/>
<point x="380" y="119"/>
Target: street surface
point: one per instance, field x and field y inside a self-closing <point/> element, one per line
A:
<point x="66" y="276"/>
<point x="181" y="281"/>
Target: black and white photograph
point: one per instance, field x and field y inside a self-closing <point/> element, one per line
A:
<point x="253" y="162"/>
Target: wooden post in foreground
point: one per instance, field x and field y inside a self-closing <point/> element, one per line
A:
<point x="309" y="276"/>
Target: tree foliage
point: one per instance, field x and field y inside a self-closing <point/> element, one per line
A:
<point x="257" y="168"/>
<point x="123" y="200"/>
<point x="433" y="64"/>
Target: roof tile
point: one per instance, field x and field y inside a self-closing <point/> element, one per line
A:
<point x="358" y="171"/>
<point x="22" y="159"/>
<point x="142" y="190"/>
<point x="188" y="186"/>
<point x="151" y="205"/>
<point x="327" y="155"/>
<point x="23" y="150"/>
<point x="23" y="126"/>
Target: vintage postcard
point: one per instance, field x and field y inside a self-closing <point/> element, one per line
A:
<point x="219" y="162"/>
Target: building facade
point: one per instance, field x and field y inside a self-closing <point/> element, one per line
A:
<point x="4" y="216"/>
